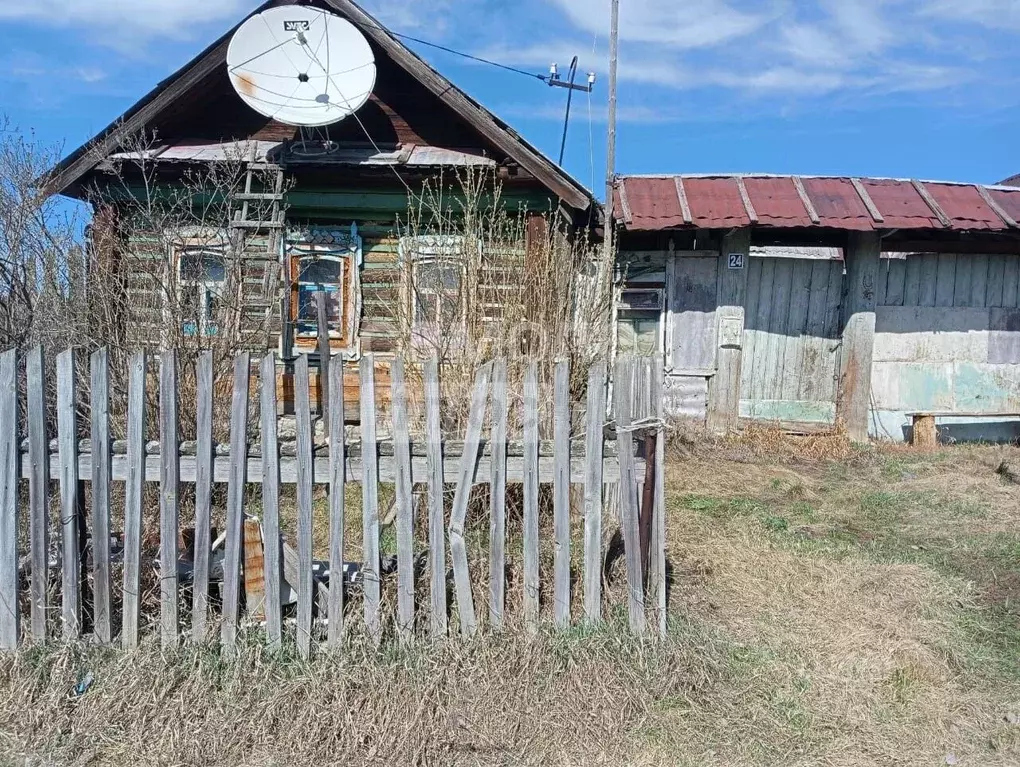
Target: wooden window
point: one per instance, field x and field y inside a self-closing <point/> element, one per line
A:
<point x="639" y="321"/>
<point x="327" y="262"/>
<point x="438" y="294"/>
<point x="202" y="277"/>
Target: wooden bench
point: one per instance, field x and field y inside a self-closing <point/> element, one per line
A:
<point x="926" y="433"/>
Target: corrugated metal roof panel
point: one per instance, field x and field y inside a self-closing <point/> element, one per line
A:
<point x="964" y="207"/>
<point x="777" y="202"/>
<point x="838" y="204"/>
<point x="1009" y="201"/>
<point x="901" y="205"/>
<point x="653" y="203"/>
<point x="715" y="202"/>
<point x="865" y="204"/>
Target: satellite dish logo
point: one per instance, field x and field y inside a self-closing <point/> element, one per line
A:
<point x="296" y="26"/>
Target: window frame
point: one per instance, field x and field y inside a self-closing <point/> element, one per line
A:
<point x="629" y="313"/>
<point x="436" y="251"/>
<point x="343" y="247"/>
<point x="204" y="318"/>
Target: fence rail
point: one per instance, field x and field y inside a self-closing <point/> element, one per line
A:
<point x="433" y="477"/>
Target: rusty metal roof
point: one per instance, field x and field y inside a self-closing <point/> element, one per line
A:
<point x="655" y="203"/>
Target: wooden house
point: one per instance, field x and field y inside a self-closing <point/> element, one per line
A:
<point x="805" y="300"/>
<point x="342" y="199"/>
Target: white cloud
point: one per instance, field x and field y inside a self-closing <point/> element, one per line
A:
<point x="131" y="18"/>
<point x="689" y="24"/>
<point x="994" y="14"/>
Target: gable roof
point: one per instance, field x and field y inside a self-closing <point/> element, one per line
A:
<point x="80" y="162"/>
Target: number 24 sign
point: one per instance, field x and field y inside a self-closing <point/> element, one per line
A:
<point x="736" y="260"/>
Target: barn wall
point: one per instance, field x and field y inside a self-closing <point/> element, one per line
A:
<point x="947" y="340"/>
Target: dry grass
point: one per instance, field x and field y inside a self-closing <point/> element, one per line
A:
<point x="831" y="605"/>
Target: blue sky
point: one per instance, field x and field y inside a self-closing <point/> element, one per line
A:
<point x="913" y="88"/>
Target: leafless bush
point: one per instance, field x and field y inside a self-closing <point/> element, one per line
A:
<point x="487" y="281"/>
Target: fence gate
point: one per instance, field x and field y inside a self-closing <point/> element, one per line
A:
<point x="77" y="564"/>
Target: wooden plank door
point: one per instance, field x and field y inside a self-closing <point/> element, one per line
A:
<point x="791" y="340"/>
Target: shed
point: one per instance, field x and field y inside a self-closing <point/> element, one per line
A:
<point x="806" y="300"/>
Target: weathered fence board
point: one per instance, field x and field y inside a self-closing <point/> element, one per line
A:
<point x="405" y="514"/>
<point x="67" y="431"/>
<point x="370" y="500"/>
<point x="101" y="478"/>
<point x="337" y="480"/>
<point x="593" y="495"/>
<point x="436" y="462"/>
<point x="658" y="579"/>
<point x="38" y="491"/>
<point x="531" y="482"/>
<point x="235" y="502"/>
<point x="169" y="498"/>
<point x="134" y="492"/>
<point x="561" y="495"/>
<point x="628" y="495"/>
<point x="10" y="629"/>
<point x="458" y="514"/>
<point x="437" y="522"/>
<point x="271" y="502"/>
<point x="497" y="497"/>
<point x="302" y="408"/>
<point x="203" y="495"/>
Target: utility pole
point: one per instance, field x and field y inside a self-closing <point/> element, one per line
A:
<point x="614" y="52"/>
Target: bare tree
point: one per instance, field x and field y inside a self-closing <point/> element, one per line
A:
<point x="42" y="258"/>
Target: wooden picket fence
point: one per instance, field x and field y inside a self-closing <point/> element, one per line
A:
<point x="431" y="461"/>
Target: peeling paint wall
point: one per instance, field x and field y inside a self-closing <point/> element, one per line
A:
<point x="947" y="340"/>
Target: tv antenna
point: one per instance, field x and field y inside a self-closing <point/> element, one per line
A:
<point x="301" y="66"/>
<point x="556" y="81"/>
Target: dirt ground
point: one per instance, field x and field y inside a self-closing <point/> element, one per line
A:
<point x="830" y="605"/>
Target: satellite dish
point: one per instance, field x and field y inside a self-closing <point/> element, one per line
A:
<point x="301" y="66"/>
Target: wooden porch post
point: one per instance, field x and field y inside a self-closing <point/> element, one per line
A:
<point x="724" y="397"/>
<point x="853" y="400"/>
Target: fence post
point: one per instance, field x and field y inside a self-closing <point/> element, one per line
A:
<point x="593" y="491"/>
<point x="169" y="498"/>
<point x="436" y="479"/>
<point x="497" y="497"/>
<point x="39" y="491"/>
<point x="204" y="463"/>
<point x="9" y="454"/>
<point x="235" y="499"/>
<point x="531" y="575"/>
<point x="134" y="491"/>
<point x="628" y="494"/>
<point x="302" y="411"/>
<point x="67" y="430"/>
<point x="337" y="488"/>
<point x="458" y="514"/>
<point x="271" y="503"/>
<point x="370" y="498"/>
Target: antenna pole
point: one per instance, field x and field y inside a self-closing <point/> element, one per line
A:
<point x="570" y="98"/>
<point x="614" y="53"/>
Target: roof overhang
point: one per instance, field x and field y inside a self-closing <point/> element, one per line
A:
<point x="80" y="162"/>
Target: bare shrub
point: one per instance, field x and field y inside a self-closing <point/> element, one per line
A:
<point x="487" y="281"/>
